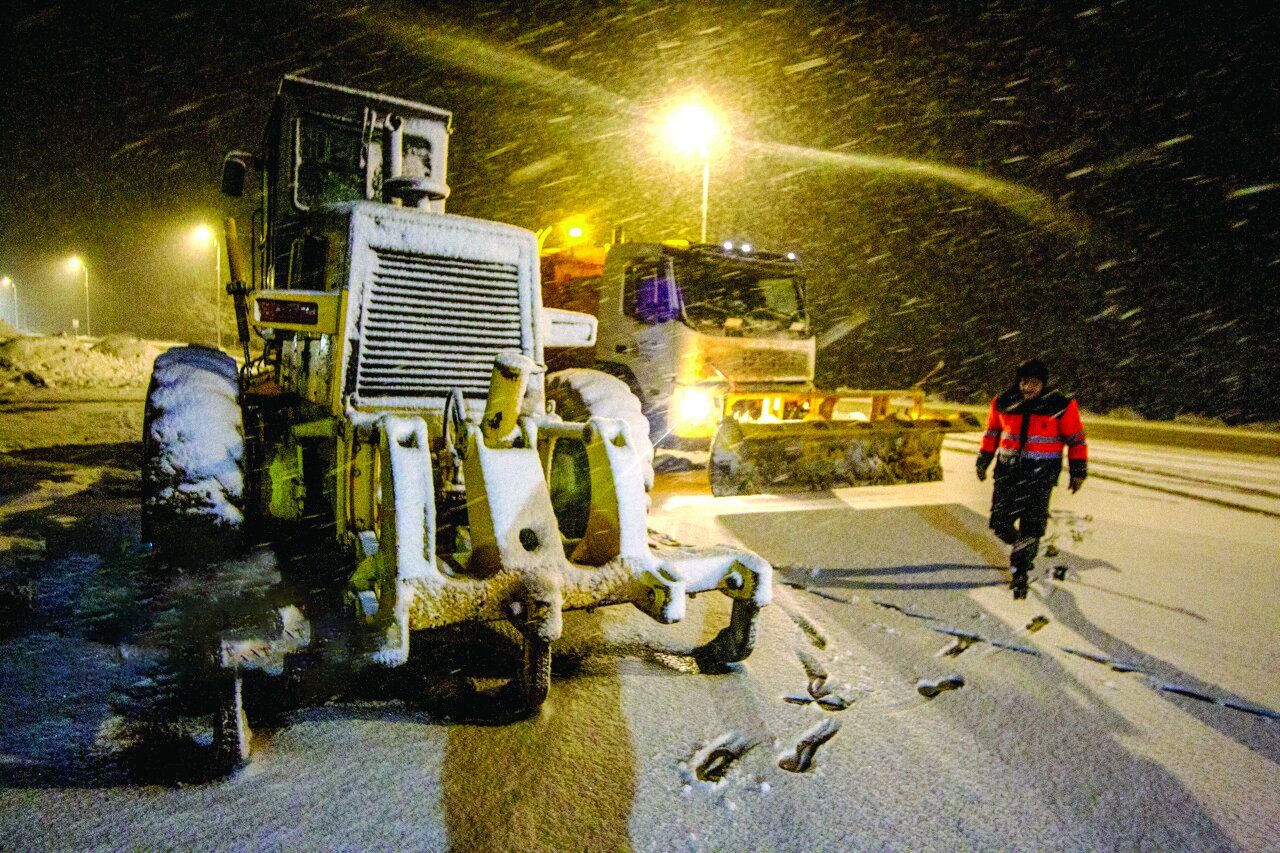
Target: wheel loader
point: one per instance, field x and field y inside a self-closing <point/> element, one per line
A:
<point x="716" y="341"/>
<point x="395" y="405"/>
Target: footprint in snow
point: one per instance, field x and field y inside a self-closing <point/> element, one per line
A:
<point x="928" y="688"/>
<point x="958" y="646"/>
<point x="800" y="760"/>
<point x="1037" y="623"/>
<point x="713" y="762"/>
<point x="820" y="693"/>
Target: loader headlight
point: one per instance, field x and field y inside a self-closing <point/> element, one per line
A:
<point x="695" y="412"/>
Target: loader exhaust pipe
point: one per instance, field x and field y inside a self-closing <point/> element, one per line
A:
<point x="395" y="147"/>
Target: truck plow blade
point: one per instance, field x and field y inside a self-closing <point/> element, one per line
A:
<point x="808" y="456"/>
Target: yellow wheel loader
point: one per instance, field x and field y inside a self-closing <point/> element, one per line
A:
<point x="400" y="410"/>
<point x="716" y="342"/>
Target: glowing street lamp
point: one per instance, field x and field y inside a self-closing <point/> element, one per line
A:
<point x="204" y="236"/>
<point x="690" y="127"/>
<point x="8" y="282"/>
<point x="75" y="263"/>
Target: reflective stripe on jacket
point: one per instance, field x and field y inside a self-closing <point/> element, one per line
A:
<point x="1052" y="423"/>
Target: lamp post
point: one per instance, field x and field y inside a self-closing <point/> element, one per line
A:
<point x="204" y="234"/>
<point x="8" y="282"/>
<point x="690" y="127"/>
<point x="76" y="263"/>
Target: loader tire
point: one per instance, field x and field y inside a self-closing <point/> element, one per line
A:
<point x="535" y="672"/>
<point x="579" y="394"/>
<point x="193" y="456"/>
<point x="231" y="732"/>
<point x="730" y="473"/>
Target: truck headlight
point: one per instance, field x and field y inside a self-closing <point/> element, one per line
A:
<point x="695" y="412"/>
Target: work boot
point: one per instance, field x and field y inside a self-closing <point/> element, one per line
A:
<point x="1018" y="584"/>
<point x="1023" y="555"/>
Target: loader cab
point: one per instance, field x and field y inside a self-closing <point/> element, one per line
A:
<point x="325" y="145"/>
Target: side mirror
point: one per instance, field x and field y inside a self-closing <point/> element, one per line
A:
<point x="234" y="167"/>
<point x="656" y="300"/>
<point x="563" y="328"/>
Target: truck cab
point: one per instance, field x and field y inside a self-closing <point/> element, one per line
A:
<point x="687" y="323"/>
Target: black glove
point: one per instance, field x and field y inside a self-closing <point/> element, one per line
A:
<point x="984" y="462"/>
<point x="1078" y="470"/>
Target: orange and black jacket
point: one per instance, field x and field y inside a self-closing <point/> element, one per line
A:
<point x="1033" y="433"/>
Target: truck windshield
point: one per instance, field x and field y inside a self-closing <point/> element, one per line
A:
<point x="762" y="295"/>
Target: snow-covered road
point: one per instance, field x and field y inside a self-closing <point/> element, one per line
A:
<point x="1124" y="706"/>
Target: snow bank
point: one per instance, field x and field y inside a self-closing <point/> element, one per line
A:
<point x="116" y="361"/>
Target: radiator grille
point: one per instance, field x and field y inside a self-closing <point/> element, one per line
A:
<point x="433" y="324"/>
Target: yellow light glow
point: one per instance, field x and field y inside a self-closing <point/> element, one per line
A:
<point x="574" y="230"/>
<point x="74" y="262"/>
<point x="690" y="127"/>
<point x="695" y="412"/>
<point x="202" y="235"/>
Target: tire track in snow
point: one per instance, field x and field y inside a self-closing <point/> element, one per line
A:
<point x="1095" y="473"/>
<point x="1187" y="478"/>
<point x="1125" y="481"/>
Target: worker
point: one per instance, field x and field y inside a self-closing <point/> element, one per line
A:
<point x="1027" y="428"/>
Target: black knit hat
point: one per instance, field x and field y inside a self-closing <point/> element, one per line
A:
<point x="1033" y="368"/>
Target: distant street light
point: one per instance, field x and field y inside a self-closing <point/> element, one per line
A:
<point x="8" y="282"/>
<point x="204" y="236"/>
<point x="690" y="127"/>
<point x="75" y="263"/>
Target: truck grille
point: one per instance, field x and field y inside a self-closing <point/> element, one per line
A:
<point x="432" y="324"/>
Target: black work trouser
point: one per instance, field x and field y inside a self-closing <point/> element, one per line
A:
<point x="1020" y="506"/>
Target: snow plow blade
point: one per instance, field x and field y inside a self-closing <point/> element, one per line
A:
<point x="750" y="458"/>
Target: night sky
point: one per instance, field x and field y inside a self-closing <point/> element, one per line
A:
<point x="970" y="183"/>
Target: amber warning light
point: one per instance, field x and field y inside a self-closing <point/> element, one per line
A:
<point x="288" y="311"/>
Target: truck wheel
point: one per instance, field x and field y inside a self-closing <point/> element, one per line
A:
<point x="193" y="455"/>
<point x="731" y="474"/>
<point x="579" y="394"/>
<point x="231" y="733"/>
<point x="535" y="672"/>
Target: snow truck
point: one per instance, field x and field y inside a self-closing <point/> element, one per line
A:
<point x="715" y="340"/>
<point x="400" y="409"/>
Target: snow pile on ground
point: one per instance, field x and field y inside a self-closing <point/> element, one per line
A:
<point x="116" y="361"/>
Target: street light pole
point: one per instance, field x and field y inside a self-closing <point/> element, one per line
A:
<point x="205" y="235"/>
<point x="706" y="187"/>
<point x="8" y="282"/>
<point x="217" y="290"/>
<point x="77" y="262"/>
<point x="88" y="324"/>
<point x="691" y="127"/>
